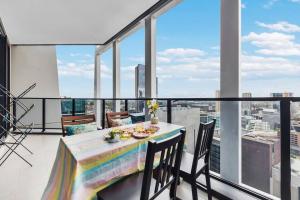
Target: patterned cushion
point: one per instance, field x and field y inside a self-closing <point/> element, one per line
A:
<point x="80" y="128"/>
<point x="121" y="122"/>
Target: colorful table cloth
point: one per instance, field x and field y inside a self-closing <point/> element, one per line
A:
<point x="86" y="163"/>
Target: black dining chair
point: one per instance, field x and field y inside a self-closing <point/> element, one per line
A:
<point x="200" y="159"/>
<point x="141" y="185"/>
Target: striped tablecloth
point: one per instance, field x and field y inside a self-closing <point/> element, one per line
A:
<point x="86" y="163"/>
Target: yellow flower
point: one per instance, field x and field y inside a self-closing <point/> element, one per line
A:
<point x="148" y="102"/>
<point x="155" y="106"/>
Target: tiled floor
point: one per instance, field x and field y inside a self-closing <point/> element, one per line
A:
<point x="19" y="181"/>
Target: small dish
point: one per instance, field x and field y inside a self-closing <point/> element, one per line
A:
<point x="140" y="135"/>
<point x="109" y="139"/>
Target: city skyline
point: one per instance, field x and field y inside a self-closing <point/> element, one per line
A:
<point x="190" y="54"/>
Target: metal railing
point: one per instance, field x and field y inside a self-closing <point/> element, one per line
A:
<point x="285" y="128"/>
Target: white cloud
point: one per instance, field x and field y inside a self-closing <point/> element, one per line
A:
<point x="106" y="72"/>
<point x="195" y="67"/>
<point x="243" y="5"/>
<point x="190" y="68"/>
<point x="161" y="59"/>
<point x="74" y="54"/>
<point x="275" y="43"/>
<point x="281" y="26"/>
<point x="128" y="72"/>
<point x="257" y="67"/>
<point x="80" y="55"/>
<point x="208" y="68"/>
<point x="269" y="4"/>
<point x="73" y="69"/>
<point x="182" y="52"/>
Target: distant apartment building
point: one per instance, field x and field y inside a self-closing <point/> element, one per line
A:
<point x="295" y="179"/>
<point x="272" y="116"/>
<point x="260" y="152"/>
<point x="295" y="138"/>
<point x="215" y="155"/>
<point x="218" y="103"/>
<point x="140" y="86"/>
<point x="295" y="143"/>
<point x="276" y="105"/>
<point x="246" y="105"/>
<point x="250" y="124"/>
<point x="282" y="94"/>
<point x="206" y="117"/>
<point x="257" y="125"/>
<point x="79" y="106"/>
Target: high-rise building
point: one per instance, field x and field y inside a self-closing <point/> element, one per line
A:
<point x="276" y="105"/>
<point x="257" y="125"/>
<point x="260" y="151"/>
<point x="218" y="103"/>
<point x="295" y="179"/>
<point x="246" y="105"/>
<point x="247" y="94"/>
<point x="140" y="86"/>
<point x="140" y="81"/>
<point x="206" y="117"/>
<point x="295" y="143"/>
<point x="295" y="138"/>
<point x="215" y="155"/>
<point x="282" y="94"/>
<point x="67" y="106"/>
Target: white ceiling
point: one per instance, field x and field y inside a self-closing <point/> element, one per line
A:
<point x="68" y="21"/>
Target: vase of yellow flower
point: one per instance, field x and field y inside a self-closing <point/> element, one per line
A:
<point x="153" y="108"/>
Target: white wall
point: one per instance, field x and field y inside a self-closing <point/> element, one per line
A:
<point x="37" y="64"/>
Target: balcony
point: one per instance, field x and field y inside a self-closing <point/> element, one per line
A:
<point x="255" y="150"/>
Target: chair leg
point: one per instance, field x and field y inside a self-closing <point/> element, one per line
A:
<point x="194" y="190"/>
<point x="173" y="190"/>
<point x="208" y="187"/>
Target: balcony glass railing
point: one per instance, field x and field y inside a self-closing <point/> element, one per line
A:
<point x="269" y="139"/>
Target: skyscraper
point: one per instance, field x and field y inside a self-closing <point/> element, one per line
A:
<point x="280" y="94"/>
<point x="246" y="105"/>
<point x="260" y="151"/>
<point x="140" y="86"/>
<point x="218" y="95"/>
<point x="140" y="81"/>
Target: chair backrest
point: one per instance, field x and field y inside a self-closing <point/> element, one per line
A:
<point x="203" y="144"/>
<point x="170" y="151"/>
<point x="110" y="116"/>
<point x="75" y="120"/>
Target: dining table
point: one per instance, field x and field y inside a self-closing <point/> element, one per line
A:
<point x="86" y="163"/>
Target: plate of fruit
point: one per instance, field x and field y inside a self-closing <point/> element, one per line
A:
<point x="152" y="129"/>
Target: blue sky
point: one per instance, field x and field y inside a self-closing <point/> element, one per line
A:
<point x="188" y="40"/>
